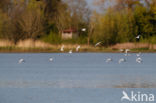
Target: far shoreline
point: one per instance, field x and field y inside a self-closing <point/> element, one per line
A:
<point x="30" y="46"/>
<point x="85" y="50"/>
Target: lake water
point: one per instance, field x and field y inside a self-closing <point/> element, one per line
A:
<point x="74" y="78"/>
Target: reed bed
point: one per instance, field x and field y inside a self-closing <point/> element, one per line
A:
<point x="30" y="45"/>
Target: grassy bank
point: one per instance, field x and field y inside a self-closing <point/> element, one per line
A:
<point x="31" y="46"/>
<point x="57" y="50"/>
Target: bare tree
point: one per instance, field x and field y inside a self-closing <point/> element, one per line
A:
<point x="51" y="8"/>
<point x="23" y="23"/>
<point x="4" y="5"/>
<point x="91" y="27"/>
<point x="62" y="19"/>
<point x="31" y="23"/>
<point x="79" y="12"/>
<point x="11" y="29"/>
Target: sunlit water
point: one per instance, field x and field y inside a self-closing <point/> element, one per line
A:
<point x="74" y="78"/>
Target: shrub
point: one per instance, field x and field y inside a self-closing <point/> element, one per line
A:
<point x="52" y="38"/>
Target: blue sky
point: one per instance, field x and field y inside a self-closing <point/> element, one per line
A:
<point x="90" y="2"/>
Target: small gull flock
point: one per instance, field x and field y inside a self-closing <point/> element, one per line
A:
<point x="108" y="60"/>
<point x="121" y="60"/>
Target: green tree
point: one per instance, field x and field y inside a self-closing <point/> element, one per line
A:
<point x="143" y="21"/>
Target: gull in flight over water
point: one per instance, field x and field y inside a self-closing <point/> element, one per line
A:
<point x="125" y="96"/>
<point x="139" y="60"/>
<point x="50" y="59"/>
<point x="121" y="50"/>
<point x="84" y="29"/>
<point x="126" y="52"/>
<point x="21" y="61"/>
<point x="97" y="44"/>
<point x="122" y="60"/>
<point x="138" y="37"/>
<point x="62" y="48"/>
<point x="70" y="51"/>
<point x="138" y="55"/>
<point x="77" y="48"/>
<point x="109" y="60"/>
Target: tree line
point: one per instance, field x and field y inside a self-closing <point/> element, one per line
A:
<point x="24" y="19"/>
<point x="115" y="21"/>
<point x="124" y="20"/>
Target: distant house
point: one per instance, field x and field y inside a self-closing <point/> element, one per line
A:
<point x="69" y="34"/>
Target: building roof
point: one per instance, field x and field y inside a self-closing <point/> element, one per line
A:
<point x="69" y="30"/>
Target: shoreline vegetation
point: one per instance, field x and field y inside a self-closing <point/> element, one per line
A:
<point x="30" y="46"/>
<point x="46" y="25"/>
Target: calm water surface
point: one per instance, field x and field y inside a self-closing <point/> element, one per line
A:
<point x="74" y="78"/>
